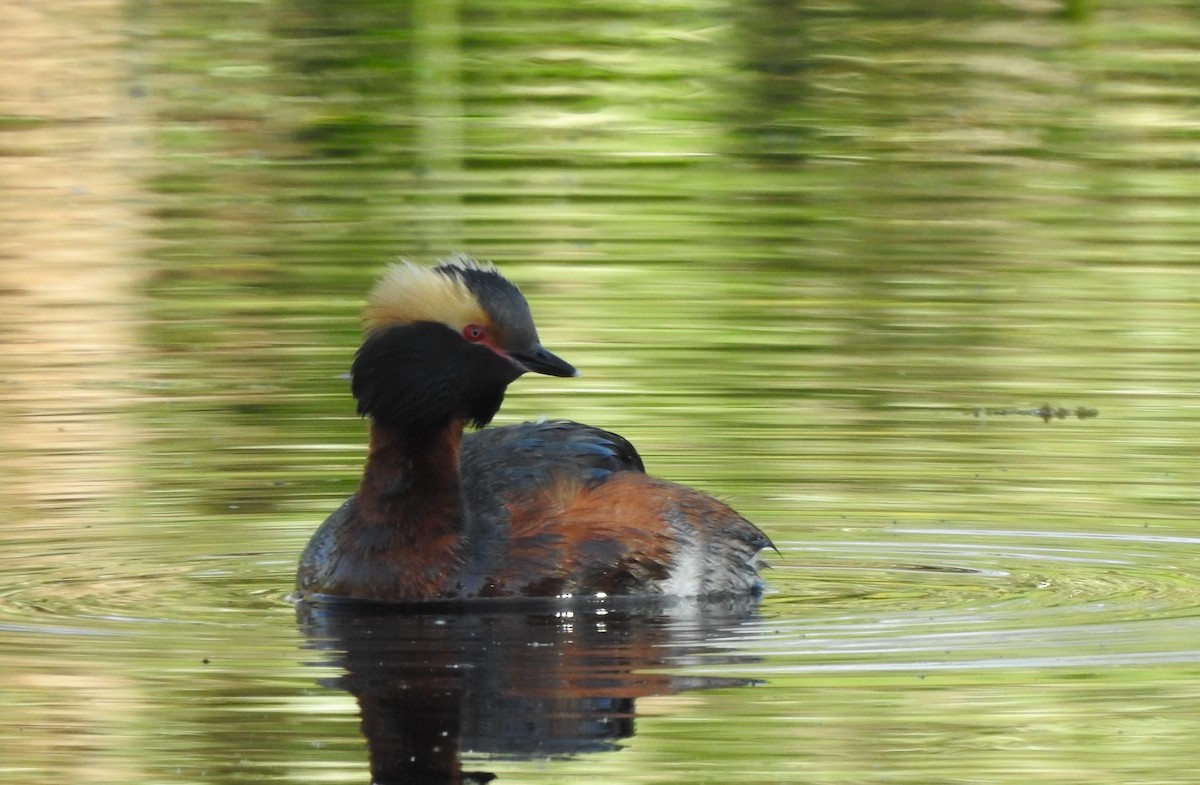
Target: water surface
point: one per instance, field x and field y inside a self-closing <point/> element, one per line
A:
<point x="827" y="263"/>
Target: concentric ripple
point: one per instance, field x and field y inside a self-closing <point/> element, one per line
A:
<point x="938" y="599"/>
<point x="900" y="598"/>
<point x="86" y="596"/>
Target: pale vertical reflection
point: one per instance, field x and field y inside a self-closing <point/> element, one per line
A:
<point x="68" y="251"/>
<point x="438" y="114"/>
<point x="68" y="275"/>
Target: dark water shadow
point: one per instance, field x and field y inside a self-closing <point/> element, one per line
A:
<point x="517" y="680"/>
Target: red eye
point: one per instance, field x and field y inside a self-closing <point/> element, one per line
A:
<point x="474" y="333"/>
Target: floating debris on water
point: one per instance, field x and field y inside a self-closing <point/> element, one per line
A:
<point x="1046" y="412"/>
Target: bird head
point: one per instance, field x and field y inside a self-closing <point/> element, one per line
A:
<point x="445" y="342"/>
<point x="472" y="299"/>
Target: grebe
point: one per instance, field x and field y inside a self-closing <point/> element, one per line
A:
<point x="545" y="509"/>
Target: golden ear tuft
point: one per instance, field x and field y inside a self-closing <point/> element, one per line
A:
<point x="410" y="293"/>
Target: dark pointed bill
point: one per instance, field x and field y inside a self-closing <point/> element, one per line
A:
<point x="540" y="360"/>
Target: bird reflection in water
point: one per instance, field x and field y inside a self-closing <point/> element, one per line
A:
<point x="527" y="679"/>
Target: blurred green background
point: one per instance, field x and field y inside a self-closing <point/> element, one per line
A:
<point x="795" y="249"/>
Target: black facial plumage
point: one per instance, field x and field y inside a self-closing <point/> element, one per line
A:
<point x="420" y="376"/>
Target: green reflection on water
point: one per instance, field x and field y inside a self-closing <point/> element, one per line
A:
<point x="788" y="245"/>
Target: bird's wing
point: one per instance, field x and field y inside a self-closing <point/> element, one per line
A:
<point x="519" y="459"/>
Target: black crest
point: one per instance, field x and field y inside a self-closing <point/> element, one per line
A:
<point x="500" y="298"/>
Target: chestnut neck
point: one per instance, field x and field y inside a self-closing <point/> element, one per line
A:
<point x="411" y="487"/>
